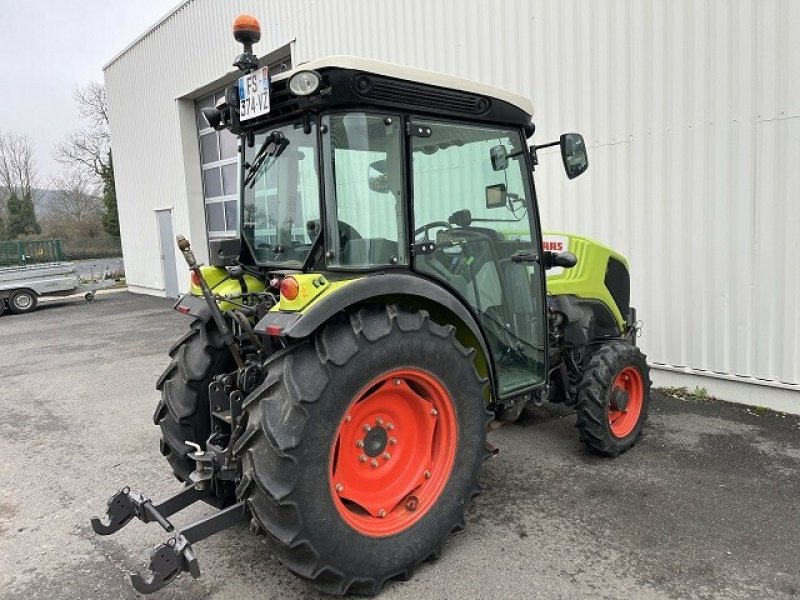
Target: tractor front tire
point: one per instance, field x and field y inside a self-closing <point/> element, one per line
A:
<point x="363" y="447"/>
<point x="613" y="398"/>
<point x="183" y="413"/>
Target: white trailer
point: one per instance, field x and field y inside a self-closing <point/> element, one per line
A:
<point x="21" y="287"/>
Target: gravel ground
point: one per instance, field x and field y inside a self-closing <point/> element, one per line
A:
<point x="707" y="505"/>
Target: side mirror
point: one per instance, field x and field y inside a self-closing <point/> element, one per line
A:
<point x="496" y="195"/>
<point x="573" y="154"/>
<point x="499" y="156"/>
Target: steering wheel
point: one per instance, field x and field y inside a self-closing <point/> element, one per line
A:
<point x="428" y="226"/>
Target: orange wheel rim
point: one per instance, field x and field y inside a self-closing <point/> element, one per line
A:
<point x="393" y="452"/>
<point x="625" y="403"/>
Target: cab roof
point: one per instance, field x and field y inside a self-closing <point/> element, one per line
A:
<point x="422" y="76"/>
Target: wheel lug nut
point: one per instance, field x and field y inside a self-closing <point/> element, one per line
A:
<point x="374" y="463"/>
<point x="339" y="488"/>
<point x="382" y="513"/>
<point x="397" y="382"/>
<point x="360" y="444"/>
<point x="378" y="421"/>
<point x="386" y="456"/>
<point x="434" y="412"/>
<point x="362" y="458"/>
<point x="392" y="441"/>
<point x="366" y="427"/>
<point x="389" y="426"/>
<point x="427" y="474"/>
<point x="348" y="418"/>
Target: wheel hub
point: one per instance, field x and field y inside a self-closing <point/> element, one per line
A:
<point x="393" y="452"/>
<point x="375" y="441"/>
<point x="625" y="401"/>
<point x="619" y="400"/>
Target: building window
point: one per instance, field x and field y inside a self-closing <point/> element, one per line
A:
<point x="219" y="164"/>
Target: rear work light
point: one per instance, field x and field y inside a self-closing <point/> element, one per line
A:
<point x="304" y="83"/>
<point x="290" y="288"/>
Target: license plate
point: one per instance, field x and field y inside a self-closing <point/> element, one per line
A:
<point x="254" y="94"/>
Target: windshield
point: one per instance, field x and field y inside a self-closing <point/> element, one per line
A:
<point x="280" y="196"/>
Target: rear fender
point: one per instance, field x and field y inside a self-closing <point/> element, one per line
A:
<point x="409" y="291"/>
<point x="194" y="306"/>
<point x="221" y="284"/>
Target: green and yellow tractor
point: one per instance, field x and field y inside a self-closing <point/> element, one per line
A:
<point x="390" y="296"/>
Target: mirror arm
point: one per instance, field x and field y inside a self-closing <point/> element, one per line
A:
<point x="548" y="145"/>
<point x="535" y="154"/>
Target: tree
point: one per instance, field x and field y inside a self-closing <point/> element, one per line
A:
<point x="74" y="209"/>
<point x="21" y="217"/>
<point x="17" y="185"/>
<point x="89" y="149"/>
<point x="111" y="214"/>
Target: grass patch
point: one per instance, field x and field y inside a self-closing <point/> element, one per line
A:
<point x="698" y="394"/>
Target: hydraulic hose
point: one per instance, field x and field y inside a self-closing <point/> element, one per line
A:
<point x="247" y="328"/>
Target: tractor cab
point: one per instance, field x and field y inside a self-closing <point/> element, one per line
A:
<point x="352" y="168"/>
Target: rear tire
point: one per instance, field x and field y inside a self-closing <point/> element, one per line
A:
<point x="22" y="301"/>
<point x="183" y="413"/>
<point x="613" y="398"/>
<point x="295" y="441"/>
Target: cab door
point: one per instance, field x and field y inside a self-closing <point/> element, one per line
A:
<point x="472" y="197"/>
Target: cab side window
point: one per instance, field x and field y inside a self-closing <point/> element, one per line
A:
<point x="364" y="191"/>
<point x="472" y="198"/>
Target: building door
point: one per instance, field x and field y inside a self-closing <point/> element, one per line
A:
<point x="167" y="237"/>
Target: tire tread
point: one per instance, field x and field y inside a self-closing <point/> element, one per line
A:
<point x="295" y="380"/>
<point x="593" y="389"/>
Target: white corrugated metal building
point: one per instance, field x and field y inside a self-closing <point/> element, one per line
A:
<point x="691" y="110"/>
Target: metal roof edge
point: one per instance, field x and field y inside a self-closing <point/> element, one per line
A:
<point x="147" y="32"/>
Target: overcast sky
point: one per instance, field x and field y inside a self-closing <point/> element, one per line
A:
<point x="47" y="47"/>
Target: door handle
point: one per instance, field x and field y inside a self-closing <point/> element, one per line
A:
<point x="525" y="257"/>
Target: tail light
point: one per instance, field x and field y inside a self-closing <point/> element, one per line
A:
<point x="194" y="279"/>
<point x="289" y="288"/>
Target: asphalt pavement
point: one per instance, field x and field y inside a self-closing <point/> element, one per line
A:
<point x="707" y="505"/>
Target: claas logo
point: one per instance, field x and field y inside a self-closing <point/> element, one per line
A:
<point x="553" y="246"/>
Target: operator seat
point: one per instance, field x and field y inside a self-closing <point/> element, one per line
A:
<point x="369" y="251"/>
